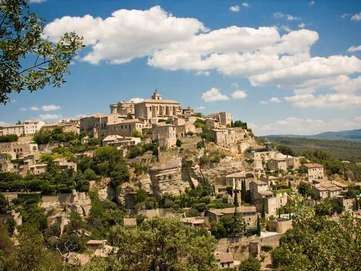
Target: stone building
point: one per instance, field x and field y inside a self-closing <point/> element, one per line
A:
<point x="121" y="142"/>
<point x="18" y="149"/>
<point x="29" y="127"/>
<point x="166" y="178"/>
<point x="248" y="213"/>
<point x="279" y="164"/>
<point x="229" y="137"/>
<point x="94" y="125"/>
<point x="165" y="135"/>
<point x="156" y="108"/>
<point x="223" y="118"/>
<point x="327" y="189"/>
<point x="68" y="126"/>
<point x="127" y="127"/>
<point x="123" y="108"/>
<point x="315" y="172"/>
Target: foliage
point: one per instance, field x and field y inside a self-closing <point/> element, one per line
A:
<point x="28" y="61"/>
<point x="251" y="264"/>
<point x="8" y="138"/>
<point x="179" y="143"/>
<point x="239" y="123"/>
<point x="103" y="215"/>
<point x="54" y="136"/>
<point x="317" y="243"/>
<point x="199" y="123"/>
<point x="286" y="150"/>
<point x="31" y="254"/>
<point x="229" y="227"/>
<point x="208" y="135"/>
<point x="162" y="244"/>
<point x="210" y="158"/>
<point x="329" y="207"/>
<point x="306" y="190"/>
<point x="140" y="149"/>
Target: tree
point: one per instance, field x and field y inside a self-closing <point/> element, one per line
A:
<point x="28" y="61"/>
<point x="251" y="264"/>
<point x="285" y="150"/>
<point x="179" y="143"/>
<point x="31" y="254"/>
<point x="317" y="243"/>
<point x="162" y="244"/>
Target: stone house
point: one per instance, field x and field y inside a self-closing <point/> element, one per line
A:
<point x="29" y="127"/>
<point x="248" y="213"/>
<point x="125" y="127"/>
<point x="166" y="178"/>
<point x="225" y="260"/>
<point x="327" y="189"/>
<point x="18" y="149"/>
<point x="315" y="172"/>
<point x="279" y="164"/>
<point x="280" y="225"/>
<point x="165" y="135"/>
<point x="223" y="118"/>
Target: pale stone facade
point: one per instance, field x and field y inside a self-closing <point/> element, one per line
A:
<point x="223" y="118"/>
<point x="17" y="149"/>
<point x="248" y="213"/>
<point x="315" y="172"/>
<point x="165" y="135"/>
<point x="123" y="108"/>
<point x="156" y="108"/>
<point x="166" y="178"/>
<point x="25" y="128"/>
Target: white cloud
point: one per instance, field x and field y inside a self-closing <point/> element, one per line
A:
<point x="353" y="49"/>
<point x="263" y="55"/>
<point x="238" y="94"/>
<point x="213" y="95"/>
<point x="288" y="17"/>
<point x="325" y="100"/>
<point x="356" y="17"/>
<point x="50" y="107"/>
<point x="126" y="34"/>
<point x="23" y="109"/>
<point x="235" y="8"/>
<point x="49" y="116"/>
<point x="201" y="107"/>
<point x="305" y="126"/>
<point x="136" y="100"/>
<point x="245" y="4"/>
<point x="272" y="100"/>
<point x="311" y="3"/>
<point x="34" y="108"/>
<point x="301" y="25"/>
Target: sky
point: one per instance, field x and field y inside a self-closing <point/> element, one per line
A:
<point x="283" y="66"/>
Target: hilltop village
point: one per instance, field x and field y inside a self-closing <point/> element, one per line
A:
<point x="155" y="159"/>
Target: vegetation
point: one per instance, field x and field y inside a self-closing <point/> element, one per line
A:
<point x="21" y="37"/>
<point x="251" y="264"/>
<point x="162" y="244"/>
<point x="8" y="138"/>
<point x="341" y="150"/>
<point x="232" y="226"/>
<point x="239" y="123"/>
<point x="318" y="243"/>
<point x="54" y="136"/>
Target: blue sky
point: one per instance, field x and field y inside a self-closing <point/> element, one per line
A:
<point x="282" y="66"/>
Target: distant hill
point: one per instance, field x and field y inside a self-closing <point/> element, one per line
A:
<point x="352" y="135"/>
<point x="341" y="149"/>
<point x="340" y="135"/>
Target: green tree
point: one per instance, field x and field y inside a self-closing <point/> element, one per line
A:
<point x="162" y="244"/>
<point x="318" y="243"/>
<point x="251" y="264"/>
<point x="28" y="61"/>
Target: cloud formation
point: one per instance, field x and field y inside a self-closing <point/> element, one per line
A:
<point x="353" y="49"/>
<point x="238" y="94"/>
<point x="214" y="95"/>
<point x="356" y="17"/>
<point x="235" y="8"/>
<point x="263" y="55"/>
<point x="305" y="126"/>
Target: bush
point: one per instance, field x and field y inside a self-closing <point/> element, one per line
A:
<point x="8" y="138"/>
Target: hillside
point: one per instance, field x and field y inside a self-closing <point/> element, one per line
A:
<point x="340" y="135"/>
<point x="349" y="135"/>
<point x="340" y="149"/>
